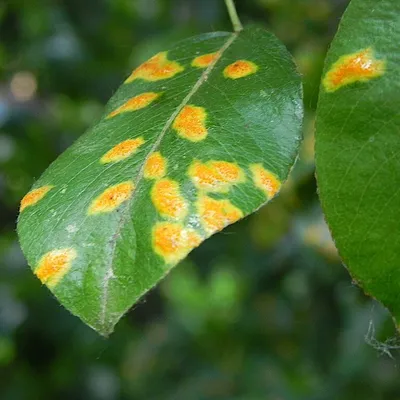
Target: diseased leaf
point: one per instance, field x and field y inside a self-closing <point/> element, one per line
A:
<point x="358" y="146"/>
<point x="195" y="139"/>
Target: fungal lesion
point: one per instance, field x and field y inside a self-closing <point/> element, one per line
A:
<point x="215" y="175"/>
<point x="157" y="68"/>
<point x="190" y="123"/>
<point x="155" y="166"/>
<point x="173" y="241"/>
<point x="122" y="150"/>
<point x="54" y="265"/>
<point x="34" y="196"/>
<point x="111" y="198"/>
<point x="135" y="103"/>
<point x="265" y="180"/>
<point x="168" y="200"/>
<point x="360" y="66"/>
<point x="240" y="69"/>
<point x="205" y="60"/>
<point x="217" y="214"/>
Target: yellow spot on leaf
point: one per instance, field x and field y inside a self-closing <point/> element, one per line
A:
<point x="34" y="196"/>
<point x="215" y="176"/>
<point x="122" y="150"/>
<point x="168" y="200"/>
<point x="240" y="69"/>
<point x="173" y="241"/>
<point x="111" y="198"/>
<point x="190" y="123"/>
<point x="136" y="103"/>
<point x="217" y="214"/>
<point x="205" y="60"/>
<point x="54" y="265"/>
<point x="356" y="67"/>
<point x="155" y="167"/>
<point x="155" y="69"/>
<point x="265" y="180"/>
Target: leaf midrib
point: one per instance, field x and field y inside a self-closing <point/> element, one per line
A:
<point x="109" y="270"/>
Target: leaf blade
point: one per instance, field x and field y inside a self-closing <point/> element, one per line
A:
<point x="202" y="119"/>
<point x="357" y="144"/>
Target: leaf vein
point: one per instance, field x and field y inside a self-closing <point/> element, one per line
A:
<point x="109" y="271"/>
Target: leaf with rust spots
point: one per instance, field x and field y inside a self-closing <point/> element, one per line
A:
<point x="169" y="164"/>
<point x="357" y="146"/>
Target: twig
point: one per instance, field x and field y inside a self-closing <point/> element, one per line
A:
<point x="237" y="25"/>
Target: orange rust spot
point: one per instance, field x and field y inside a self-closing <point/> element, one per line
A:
<point x="265" y="180"/>
<point x="34" y="196"/>
<point x="54" y="265"/>
<point x="215" y="176"/>
<point x="111" y="198"/>
<point x="122" y="150"/>
<point x="240" y="69"/>
<point x="155" y="69"/>
<point x="168" y="200"/>
<point x="217" y="214"/>
<point x="190" y="123"/>
<point x="356" y="67"/>
<point x="173" y="241"/>
<point x="205" y="60"/>
<point x="155" y="167"/>
<point x="136" y="103"/>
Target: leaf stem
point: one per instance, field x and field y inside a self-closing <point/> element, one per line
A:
<point x="237" y="25"/>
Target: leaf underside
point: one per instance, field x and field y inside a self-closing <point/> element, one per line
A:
<point x="358" y="146"/>
<point x="196" y="138"/>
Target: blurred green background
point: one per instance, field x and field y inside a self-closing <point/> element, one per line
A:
<point x="263" y="310"/>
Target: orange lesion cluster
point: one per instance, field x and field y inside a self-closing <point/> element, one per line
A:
<point x="240" y="69"/>
<point x="122" y="150"/>
<point x="136" y="103"/>
<point x="111" y="198"/>
<point x="190" y="123"/>
<point x="168" y="200"/>
<point x="173" y="241"/>
<point x="205" y="60"/>
<point x="157" y="68"/>
<point x="265" y="180"/>
<point x="155" y="166"/>
<point x="34" y="196"/>
<point x="217" y="214"/>
<point x="215" y="176"/>
<point x="356" y="67"/>
<point x="54" y="265"/>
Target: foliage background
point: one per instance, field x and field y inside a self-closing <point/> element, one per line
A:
<point x="263" y="310"/>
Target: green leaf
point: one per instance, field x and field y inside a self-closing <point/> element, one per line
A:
<point x="358" y="146"/>
<point x="195" y="139"/>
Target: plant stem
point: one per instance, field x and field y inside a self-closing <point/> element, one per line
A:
<point x="237" y="25"/>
